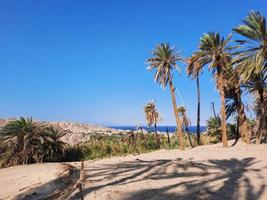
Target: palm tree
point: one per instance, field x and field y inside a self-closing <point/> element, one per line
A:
<point x="252" y="62"/>
<point x="257" y="86"/>
<point x="152" y="117"/>
<point x="185" y="122"/>
<point x="164" y="62"/>
<point x="234" y="103"/>
<point x="54" y="146"/>
<point x="214" y="127"/>
<point x="15" y="132"/>
<point x="194" y="72"/>
<point x="214" y="50"/>
<point x="31" y="142"/>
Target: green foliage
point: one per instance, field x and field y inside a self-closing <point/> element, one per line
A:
<point x="214" y="126"/>
<point x="107" y="146"/>
<point x="214" y="129"/>
<point x="213" y="50"/>
<point x="251" y="59"/>
<point x="163" y="62"/>
<point x="26" y="141"/>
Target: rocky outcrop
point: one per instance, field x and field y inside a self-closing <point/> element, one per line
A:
<point x="77" y="133"/>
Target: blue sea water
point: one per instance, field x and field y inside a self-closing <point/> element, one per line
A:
<point x="171" y="129"/>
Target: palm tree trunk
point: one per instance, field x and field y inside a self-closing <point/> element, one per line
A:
<point x="213" y="110"/>
<point x="243" y="122"/>
<point x="189" y="137"/>
<point x="157" y="138"/>
<point x="168" y="135"/>
<point x="261" y="118"/>
<point x="178" y="121"/>
<point x="198" y="112"/>
<point x="223" y="112"/>
<point x="237" y="135"/>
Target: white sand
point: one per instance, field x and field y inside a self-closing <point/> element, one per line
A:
<point x="206" y="172"/>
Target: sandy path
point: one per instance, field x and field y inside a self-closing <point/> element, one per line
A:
<point x="206" y="172"/>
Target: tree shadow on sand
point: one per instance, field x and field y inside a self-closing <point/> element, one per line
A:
<point x="58" y="188"/>
<point x="213" y="179"/>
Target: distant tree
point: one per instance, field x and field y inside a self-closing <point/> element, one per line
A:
<point x="185" y="123"/>
<point x="214" y="127"/>
<point x="194" y="72"/>
<point x="163" y="62"/>
<point x="152" y="117"/>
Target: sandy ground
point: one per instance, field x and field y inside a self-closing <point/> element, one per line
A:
<point x="31" y="181"/>
<point x="206" y="172"/>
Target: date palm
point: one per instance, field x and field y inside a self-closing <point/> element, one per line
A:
<point x="252" y="57"/>
<point x="234" y="104"/>
<point x="15" y="132"/>
<point x="164" y="61"/>
<point x="194" y="72"/>
<point x="214" y="51"/>
<point x="53" y="145"/>
<point x="257" y="86"/>
<point x="152" y="117"/>
<point x="30" y="142"/>
<point x="214" y="127"/>
<point x="252" y="63"/>
<point x="185" y="123"/>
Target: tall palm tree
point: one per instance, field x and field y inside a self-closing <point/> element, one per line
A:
<point x="163" y="62"/>
<point x="214" y="50"/>
<point x="252" y="62"/>
<point x="152" y="117"/>
<point x="185" y="123"/>
<point x="234" y="103"/>
<point x="194" y="72"/>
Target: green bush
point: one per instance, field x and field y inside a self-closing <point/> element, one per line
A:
<point x="106" y="146"/>
<point x="25" y="141"/>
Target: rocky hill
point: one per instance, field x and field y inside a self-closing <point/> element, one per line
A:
<point x="81" y="132"/>
<point x="77" y="132"/>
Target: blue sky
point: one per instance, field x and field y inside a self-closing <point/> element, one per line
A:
<point x="84" y="61"/>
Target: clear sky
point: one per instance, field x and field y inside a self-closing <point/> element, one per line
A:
<point x="84" y="61"/>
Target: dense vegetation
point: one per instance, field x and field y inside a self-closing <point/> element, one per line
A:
<point x="25" y="141"/>
<point x="134" y="143"/>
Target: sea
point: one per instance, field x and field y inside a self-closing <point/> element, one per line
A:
<point x="171" y="129"/>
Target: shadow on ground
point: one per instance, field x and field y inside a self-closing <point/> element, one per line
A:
<point x="59" y="188"/>
<point x="214" y="179"/>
